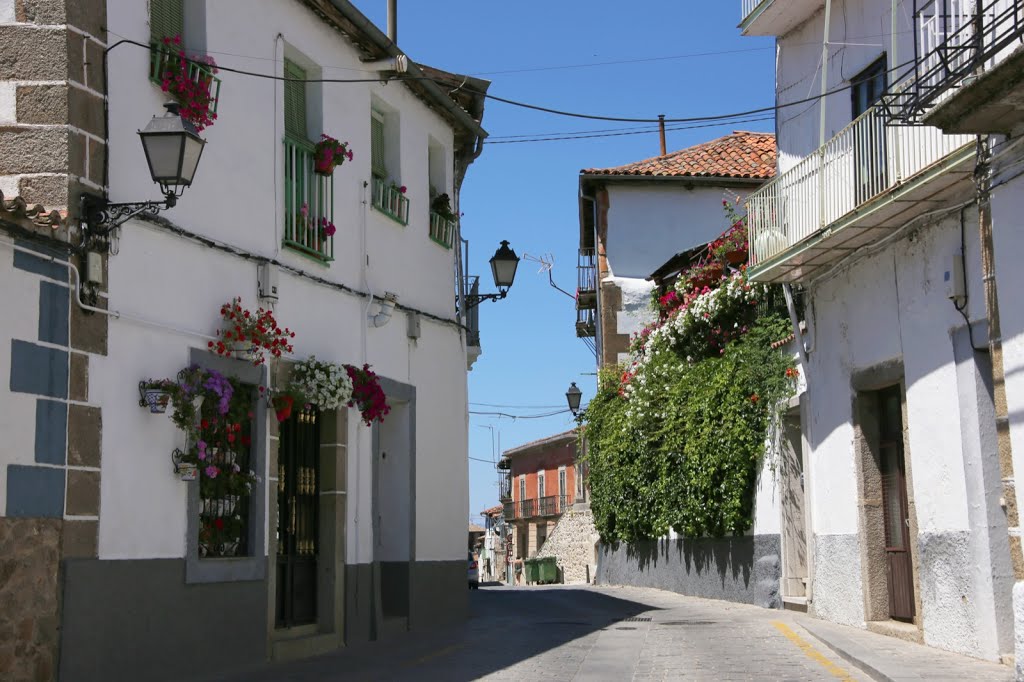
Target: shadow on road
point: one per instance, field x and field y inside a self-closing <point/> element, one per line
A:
<point x="507" y="625"/>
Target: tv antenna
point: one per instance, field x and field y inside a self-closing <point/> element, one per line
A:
<point x="547" y="264"/>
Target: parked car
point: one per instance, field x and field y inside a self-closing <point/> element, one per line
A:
<point x="473" y="573"/>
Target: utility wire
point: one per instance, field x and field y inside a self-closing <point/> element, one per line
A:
<point x="525" y="407"/>
<point x="520" y="416"/>
<point x="517" y="103"/>
<point x="643" y="132"/>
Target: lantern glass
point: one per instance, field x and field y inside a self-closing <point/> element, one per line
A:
<point x="173" y="148"/>
<point x="573" y="396"/>
<point x="503" y="266"/>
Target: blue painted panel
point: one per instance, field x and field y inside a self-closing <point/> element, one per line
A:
<point x="51" y="431"/>
<point x="39" y="370"/>
<point x="35" y="491"/>
<point x="41" y="266"/>
<point x="54" y="300"/>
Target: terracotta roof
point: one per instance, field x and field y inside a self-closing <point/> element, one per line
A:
<point x="17" y="207"/>
<point x="493" y="511"/>
<point x="548" y="440"/>
<point x="740" y="155"/>
<point x="473" y="528"/>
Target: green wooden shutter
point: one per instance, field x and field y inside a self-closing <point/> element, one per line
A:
<point x="377" y="165"/>
<point x="166" y="19"/>
<point x="294" y="100"/>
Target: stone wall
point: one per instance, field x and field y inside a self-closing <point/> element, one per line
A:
<point x="52" y="137"/>
<point x="572" y="542"/>
<point x="29" y="606"/>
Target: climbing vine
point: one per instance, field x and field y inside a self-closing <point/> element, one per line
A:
<point x="675" y="439"/>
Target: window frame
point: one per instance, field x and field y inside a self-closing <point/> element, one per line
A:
<point x="253" y="566"/>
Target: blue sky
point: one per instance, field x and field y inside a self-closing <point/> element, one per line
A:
<point x="526" y="192"/>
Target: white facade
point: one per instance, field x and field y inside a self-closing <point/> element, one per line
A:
<point x="883" y="316"/>
<point x="238" y="201"/>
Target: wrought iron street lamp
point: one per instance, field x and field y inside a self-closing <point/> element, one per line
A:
<point x="573" y="396"/>
<point x="173" y="148"/>
<point x="503" y="268"/>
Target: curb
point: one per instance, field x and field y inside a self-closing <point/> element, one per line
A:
<point x="853" y="653"/>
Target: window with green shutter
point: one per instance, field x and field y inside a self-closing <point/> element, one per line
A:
<point x="377" y="165"/>
<point x="294" y="100"/>
<point x="166" y="19"/>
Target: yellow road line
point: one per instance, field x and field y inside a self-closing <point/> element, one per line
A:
<point x="435" y="654"/>
<point x="812" y="653"/>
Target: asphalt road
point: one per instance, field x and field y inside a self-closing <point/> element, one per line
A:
<point x="586" y="633"/>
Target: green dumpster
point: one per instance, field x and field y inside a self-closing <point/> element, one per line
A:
<point x="530" y="571"/>
<point x="547" y="570"/>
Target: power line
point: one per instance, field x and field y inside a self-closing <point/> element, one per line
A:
<point x="525" y="407"/>
<point x="511" y="102"/>
<point x="485" y="461"/>
<point x="623" y="61"/>
<point x="520" y="416"/>
<point x="643" y="132"/>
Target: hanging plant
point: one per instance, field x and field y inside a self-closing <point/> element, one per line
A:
<point x="250" y="335"/>
<point x="328" y="154"/>
<point x="189" y="80"/>
<point x="324" y="384"/>
<point x="367" y="394"/>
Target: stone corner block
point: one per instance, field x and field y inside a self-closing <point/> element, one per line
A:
<point x="85" y="435"/>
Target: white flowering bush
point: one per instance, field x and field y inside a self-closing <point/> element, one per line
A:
<point x="324" y="384"/>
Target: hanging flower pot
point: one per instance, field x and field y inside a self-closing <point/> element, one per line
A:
<point x="242" y="350"/>
<point x="736" y="256"/>
<point x="155" y="395"/>
<point x="713" y="271"/>
<point x="328" y="154"/>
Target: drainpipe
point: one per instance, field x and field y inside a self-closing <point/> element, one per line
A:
<point x="821" y="105"/>
<point x="1008" y="500"/>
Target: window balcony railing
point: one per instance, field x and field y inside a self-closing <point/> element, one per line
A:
<point x="308" y="201"/>
<point x="749" y="6"/>
<point x="586" y="279"/>
<point x="505" y="488"/>
<point x="390" y="201"/>
<point x="586" y="322"/>
<point x="442" y="230"/>
<point x="552" y="505"/>
<point x="953" y="39"/>
<point x="869" y="164"/>
<point x="163" y="59"/>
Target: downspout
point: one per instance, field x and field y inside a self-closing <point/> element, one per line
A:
<point x="1008" y="500"/>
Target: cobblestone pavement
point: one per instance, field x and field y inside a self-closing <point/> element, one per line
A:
<point x="586" y="633"/>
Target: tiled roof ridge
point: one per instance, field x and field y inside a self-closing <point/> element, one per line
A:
<point x="37" y="213"/>
<point x="540" y="441"/>
<point x="740" y="154"/>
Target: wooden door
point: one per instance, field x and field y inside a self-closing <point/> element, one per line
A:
<point x="899" y="565"/>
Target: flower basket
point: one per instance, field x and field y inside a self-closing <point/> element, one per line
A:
<point x="736" y="256"/>
<point x="328" y="154"/>
<point x="367" y="394"/>
<point x="155" y="395"/>
<point x="250" y="335"/>
<point x="713" y="271"/>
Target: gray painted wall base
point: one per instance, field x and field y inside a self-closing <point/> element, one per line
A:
<point x="137" y="619"/>
<point x="744" y="569"/>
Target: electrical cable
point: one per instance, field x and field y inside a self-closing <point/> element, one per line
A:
<point x="525" y="407"/>
<point x="643" y="132"/>
<point x="520" y="416"/>
<point x="512" y="102"/>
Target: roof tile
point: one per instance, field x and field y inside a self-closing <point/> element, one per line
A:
<point x="739" y="155"/>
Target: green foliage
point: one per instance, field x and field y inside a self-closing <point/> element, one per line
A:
<point x="683" y="451"/>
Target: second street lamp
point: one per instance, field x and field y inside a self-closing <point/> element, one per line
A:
<point x="573" y="396"/>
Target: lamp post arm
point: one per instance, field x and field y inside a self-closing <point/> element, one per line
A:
<point x="474" y="300"/>
<point x="101" y="217"/>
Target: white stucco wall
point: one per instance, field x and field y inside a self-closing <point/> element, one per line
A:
<point x="238" y="200"/>
<point x="860" y="32"/>
<point x="648" y="223"/>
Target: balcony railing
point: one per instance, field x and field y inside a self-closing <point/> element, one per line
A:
<point x="749" y="6"/>
<point x="952" y="40"/>
<point x="855" y="168"/>
<point x="442" y="230"/>
<point x="390" y="201"/>
<point x="163" y="59"/>
<point x="308" y="201"/>
<point x="552" y="505"/>
<point x="586" y="279"/>
<point x="505" y="488"/>
<point x="586" y="322"/>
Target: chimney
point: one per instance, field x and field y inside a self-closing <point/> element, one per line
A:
<point x="661" y="131"/>
<point x="393" y="21"/>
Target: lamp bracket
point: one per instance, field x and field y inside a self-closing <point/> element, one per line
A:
<point x="101" y="217"/>
<point x="473" y="300"/>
